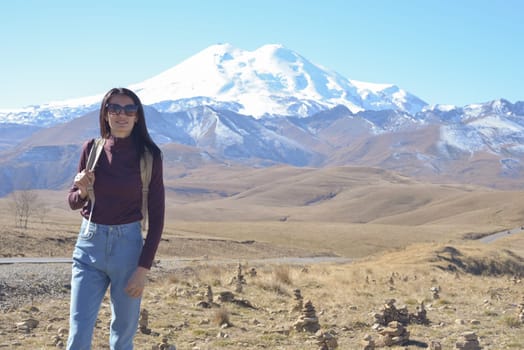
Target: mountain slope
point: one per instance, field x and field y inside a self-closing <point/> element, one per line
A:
<point x="270" y="106"/>
<point x="271" y="80"/>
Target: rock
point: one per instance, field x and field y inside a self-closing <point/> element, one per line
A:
<point x="27" y="325"/>
<point x="308" y="321"/>
<point x="469" y="342"/>
<point x="326" y="340"/>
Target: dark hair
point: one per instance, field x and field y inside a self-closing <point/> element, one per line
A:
<point x="139" y="133"/>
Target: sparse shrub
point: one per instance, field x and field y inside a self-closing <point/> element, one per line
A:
<point x="490" y="313"/>
<point x="282" y="274"/>
<point x="274" y="286"/>
<point x="221" y="316"/>
<point x="364" y="294"/>
<point x="441" y="302"/>
<point x="511" y="321"/>
<point x="172" y="278"/>
<point x="313" y="284"/>
<point x="200" y="332"/>
<point x="216" y="271"/>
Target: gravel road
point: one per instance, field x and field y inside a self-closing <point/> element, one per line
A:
<point x="22" y="283"/>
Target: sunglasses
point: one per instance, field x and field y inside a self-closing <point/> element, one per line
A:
<point x="115" y="109"/>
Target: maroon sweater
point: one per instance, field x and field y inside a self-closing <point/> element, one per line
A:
<point x="118" y="192"/>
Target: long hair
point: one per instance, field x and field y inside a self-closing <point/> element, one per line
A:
<point x="139" y="133"/>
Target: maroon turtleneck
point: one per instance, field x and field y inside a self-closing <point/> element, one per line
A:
<point x="118" y="192"/>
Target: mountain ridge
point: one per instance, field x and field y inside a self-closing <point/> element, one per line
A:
<point x="271" y="80"/>
<point x="480" y="143"/>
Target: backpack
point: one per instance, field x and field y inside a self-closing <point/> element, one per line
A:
<point x="146" y="168"/>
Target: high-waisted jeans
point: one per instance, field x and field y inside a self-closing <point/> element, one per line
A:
<point x="104" y="255"/>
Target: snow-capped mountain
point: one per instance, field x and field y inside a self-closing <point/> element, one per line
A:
<point x="269" y="81"/>
<point x="272" y="106"/>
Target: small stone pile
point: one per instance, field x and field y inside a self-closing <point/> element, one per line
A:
<point x="58" y="339"/>
<point x="229" y="297"/>
<point x="226" y="296"/>
<point x="143" y="322"/>
<point x="368" y="343"/>
<point x="164" y="345"/>
<point x="516" y="279"/>
<point x="308" y="321"/>
<point x="238" y="280"/>
<point x="326" y="340"/>
<point x="208" y="302"/>
<point x="27" y="325"/>
<point x="394" y="334"/>
<point x="209" y="294"/>
<point x="298" y="299"/>
<point x="435" y="345"/>
<point x="420" y="315"/>
<point x="470" y="342"/>
<point x="390" y="313"/>
<point x="252" y="272"/>
<point x="435" y="292"/>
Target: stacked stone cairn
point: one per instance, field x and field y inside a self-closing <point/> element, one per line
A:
<point x="252" y="272"/>
<point x="209" y="294"/>
<point x="326" y="340"/>
<point x="298" y="299"/>
<point x="368" y="343"/>
<point x="208" y="302"/>
<point x="164" y="345"/>
<point x="470" y="342"/>
<point x="520" y="311"/>
<point x="390" y="313"/>
<point x="435" y="345"/>
<point x="391" y="324"/>
<point x="394" y="334"/>
<point x="435" y="292"/>
<point x="238" y="280"/>
<point x="420" y="315"/>
<point x="308" y="320"/>
<point x="143" y="322"/>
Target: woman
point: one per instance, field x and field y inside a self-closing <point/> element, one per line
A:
<point x="109" y="251"/>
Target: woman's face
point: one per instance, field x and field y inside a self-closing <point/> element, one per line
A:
<point x="121" y="114"/>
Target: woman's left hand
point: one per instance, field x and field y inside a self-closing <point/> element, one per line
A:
<point x="135" y="285"/>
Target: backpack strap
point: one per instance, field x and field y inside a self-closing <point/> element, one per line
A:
<point x="92" y="159"/>
<point x="146" y="168"/>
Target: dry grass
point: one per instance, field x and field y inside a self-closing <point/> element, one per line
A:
<point x="404" y="238"/>
<point x="345" y="297"/>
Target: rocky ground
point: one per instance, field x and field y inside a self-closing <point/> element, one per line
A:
<point x="437" y="295"/>
<point x="22" y="284"/>
<point x="203" y="305"/>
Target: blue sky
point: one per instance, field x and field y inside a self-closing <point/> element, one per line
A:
<point x="443" y="51"/>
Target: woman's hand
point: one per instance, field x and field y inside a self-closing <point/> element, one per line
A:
<point x="137" y="282"/>
<point x="83" y="180"/>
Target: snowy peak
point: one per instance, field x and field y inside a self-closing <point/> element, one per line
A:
<point x="269" y="81"/>
<point x="272" y="80"/>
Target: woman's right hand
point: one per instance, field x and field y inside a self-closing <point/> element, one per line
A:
<point x="83" y="180"/>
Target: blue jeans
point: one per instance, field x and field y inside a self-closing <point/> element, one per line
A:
<point x="104" y="255"/>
